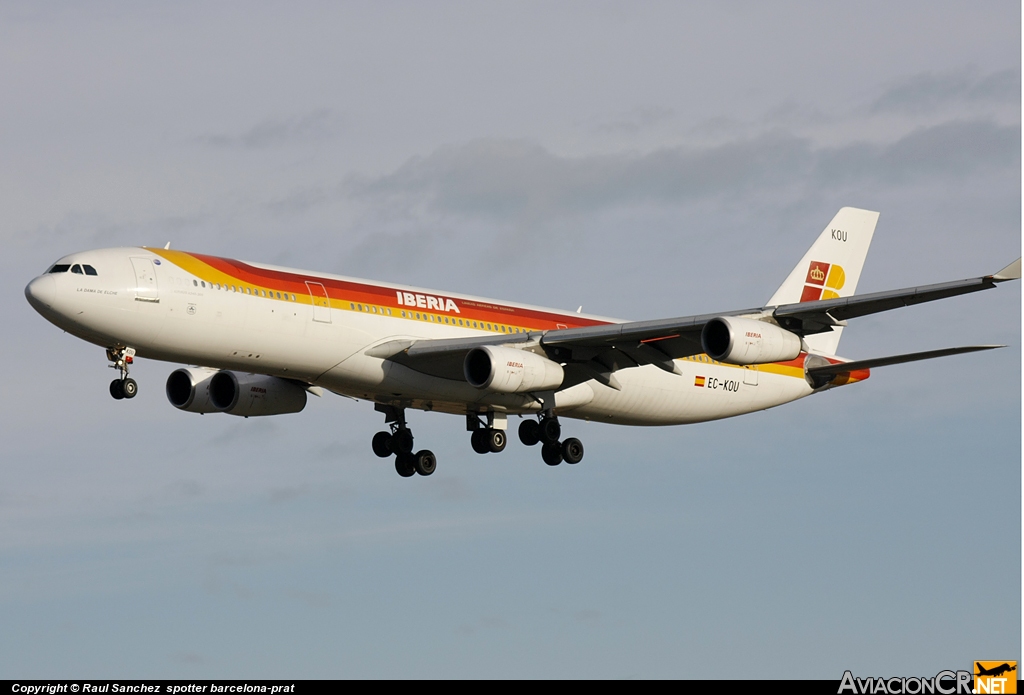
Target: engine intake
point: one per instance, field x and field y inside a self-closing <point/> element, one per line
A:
<point x="189" y="389"/>
<point x="746" y="341"/>
<point x="255" y="394"/>
<point x="508" y="370"/>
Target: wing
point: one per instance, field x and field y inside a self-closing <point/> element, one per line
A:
<point x="596" y="352"/>
<point x="815" y="317"/>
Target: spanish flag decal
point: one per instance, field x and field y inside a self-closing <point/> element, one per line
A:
<point x="699" y="381"/>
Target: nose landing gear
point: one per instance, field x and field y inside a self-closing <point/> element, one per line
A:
<point x="398" y="441"/>
<point x="125" y="387"/>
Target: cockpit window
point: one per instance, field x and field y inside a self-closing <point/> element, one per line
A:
<point x="89" y="270"/>
<point x="77" y="269"/>
<point x="60" y="268"/>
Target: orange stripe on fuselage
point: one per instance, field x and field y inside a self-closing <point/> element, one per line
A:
<point x="343" y="293"/>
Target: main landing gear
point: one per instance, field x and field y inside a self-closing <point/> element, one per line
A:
<point x="398" y="441"/>
<point x="124" y="387"/>
<point x="488" y="437"/>
<point x="547" y="431"/>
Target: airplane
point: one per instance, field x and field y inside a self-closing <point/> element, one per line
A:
<point x="996" y="671"/>
<point x="260" y="338"/>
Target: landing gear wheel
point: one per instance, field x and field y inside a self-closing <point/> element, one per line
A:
<point x="382" y="444"/>
<point x="426" y="462"/>
<point x="572" y="450"/>
<point x="405" y="464"/>
<point x="479" y="441"/>
<point x="117" y="389"/>
<point x="550" y="430"/>
<point x="401" y="441"/>
<point x="129" y="388"/>
<point x="496" y="440"/>
<point x="552" y="454"/>
<point x="529" y="432"/>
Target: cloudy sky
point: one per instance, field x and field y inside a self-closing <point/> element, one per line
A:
<point x="641" y="159"/>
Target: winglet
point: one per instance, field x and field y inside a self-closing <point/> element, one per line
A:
<point x="1010" y="272"/>
<point x="167" y="246"/>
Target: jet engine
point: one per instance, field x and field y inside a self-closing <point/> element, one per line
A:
<point x="189" y="389"/>
<point x="508" y="370"/>
<point x="255" y="394"/>
<point x="746" y="341"/>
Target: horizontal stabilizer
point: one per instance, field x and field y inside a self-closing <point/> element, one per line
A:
<point x="831" y="370"/>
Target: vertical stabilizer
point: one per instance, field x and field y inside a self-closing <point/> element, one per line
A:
<point x="830" y="269"/>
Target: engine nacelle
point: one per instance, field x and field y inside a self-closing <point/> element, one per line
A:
<point x="508" y="370"/>
<point x="189" y="389"/>
<point x="746" y="341"/>
<point x="255" y="394"/>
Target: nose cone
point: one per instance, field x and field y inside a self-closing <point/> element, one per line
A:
<point x="41" y="292"/>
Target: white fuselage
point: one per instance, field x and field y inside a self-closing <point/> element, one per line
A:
<point x="317" y="328"/>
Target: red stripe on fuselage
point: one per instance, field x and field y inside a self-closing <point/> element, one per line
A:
<point x="348" y="291"/>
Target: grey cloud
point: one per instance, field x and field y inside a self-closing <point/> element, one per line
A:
<point x="636" y="120"/>
<point x="953" y="150"/>
<point x="516" y="178"/>
<point x="506" y="177"/>
<point x="929" y="91"/>
<point x="318" y="125"/>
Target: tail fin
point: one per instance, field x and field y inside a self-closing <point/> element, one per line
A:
<point x="830" y="269"/>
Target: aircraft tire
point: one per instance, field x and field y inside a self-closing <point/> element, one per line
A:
<point x="382" y="444"/>
<point x="496" y="440"/>
<point x="401" y="441"/>
<point x="572" y="450"/>
<point x="550" y="430"/>
<point x="405" y="464"/>
<point x="529" y="432"/>
<point x="130" y="388"/>
<point x="117" y="389"/>
<point x="552" y="454"/>
<point x="479" y="442"/>
<point x="426" y="462"/>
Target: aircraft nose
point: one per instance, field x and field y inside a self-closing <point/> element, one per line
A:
<point x="41" y="292"/>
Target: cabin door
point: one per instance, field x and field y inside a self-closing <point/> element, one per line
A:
<point x="321" y="302"/>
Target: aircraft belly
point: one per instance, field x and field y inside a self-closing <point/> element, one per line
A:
<point x="651" y="396"/>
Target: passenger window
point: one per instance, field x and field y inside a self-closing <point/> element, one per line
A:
<point x="77" y="269"/>
<point x="195" y="283"/>
<point x="89" y="270"/>
<point x="60" y="268"/>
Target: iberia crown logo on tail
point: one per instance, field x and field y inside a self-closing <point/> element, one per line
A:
<point x="824" y="280"/>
